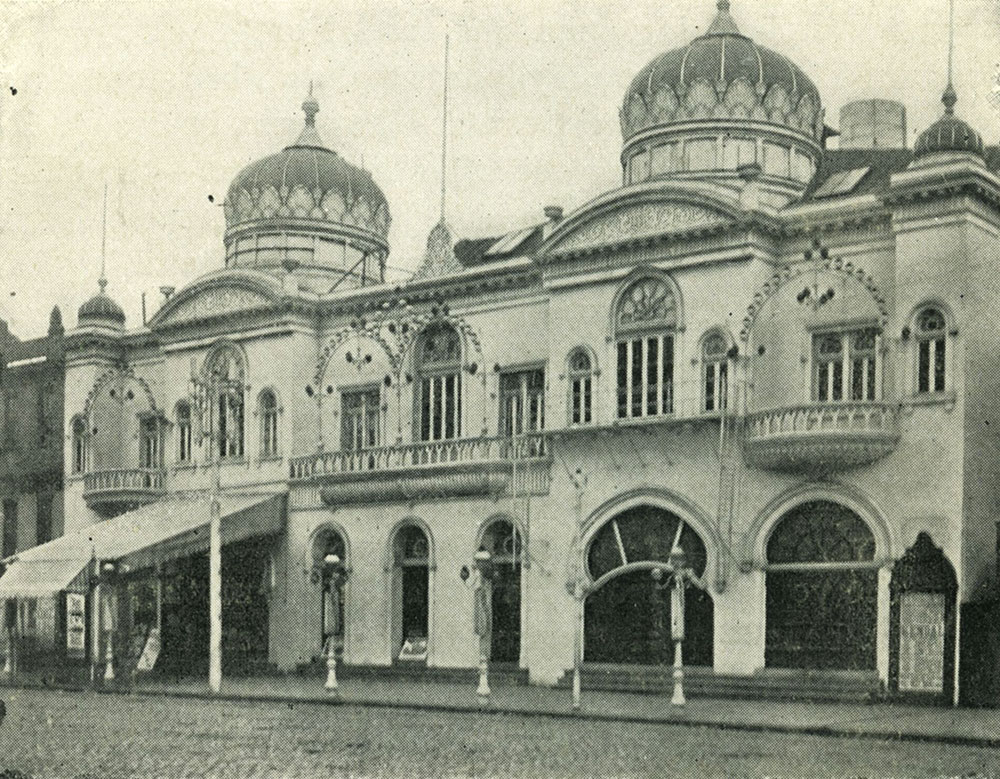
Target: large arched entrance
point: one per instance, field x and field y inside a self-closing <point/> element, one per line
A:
<point x="503" y="542"/>
<point x="627" y="619"/>
<point x="822" y="590"/>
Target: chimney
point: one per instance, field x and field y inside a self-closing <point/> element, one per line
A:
<point x="873" y="124"/>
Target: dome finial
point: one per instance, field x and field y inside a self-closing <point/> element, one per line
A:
<point x="102" y="282"/>
<point x="310" y="107"/>
<point x="723" y="24"/>
<point x="949" y="98"/>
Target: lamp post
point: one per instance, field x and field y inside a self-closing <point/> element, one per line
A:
<point x="336" y="575"/>
<point x="10" y="621"/>
<point x="208" y="393"/>
<point x="483" y="616"/>
<point x="676" y="581"/>
<point x="108" y="575"/>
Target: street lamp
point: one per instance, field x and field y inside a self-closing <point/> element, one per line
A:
<point x="109" y="573"/>
<point x="483" y="616"/>
<point x="676" y="581"/>
<point x="336" y="575"/>
<point x="10" y="622"/>
<point x="206" y="392"/>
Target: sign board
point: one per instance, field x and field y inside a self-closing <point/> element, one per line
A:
<point x="921" y="642"/>
<point x="76" y="624"/>
<point x="414" y="649"/>
<point x="150" y="652"/>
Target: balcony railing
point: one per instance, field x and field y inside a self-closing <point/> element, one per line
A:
<point x="821" y="436"/>
<point x="426" y="454"/>
<point x="119" y="489"/>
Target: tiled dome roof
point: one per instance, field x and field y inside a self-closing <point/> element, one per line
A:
<point x="722" y="74"/>
<point x="307" y="181"/>
<point x="949" y="133"/>
<point x="101" y="309"/>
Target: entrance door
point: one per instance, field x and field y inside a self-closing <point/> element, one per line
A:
<point x="627" y="620"/>
<point x="411" y="594"/>
<point x="818" y="618"/>
<point x="503" y="542"/>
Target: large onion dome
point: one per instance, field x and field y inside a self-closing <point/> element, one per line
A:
<point x="719" y="103"/>
<point x="101" y="311"/>
<point x="949" y="133"/>
<point x="305" y="204"/>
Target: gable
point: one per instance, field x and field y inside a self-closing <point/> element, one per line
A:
<point x="223" y="300"/>
<point x="614" y="224"/>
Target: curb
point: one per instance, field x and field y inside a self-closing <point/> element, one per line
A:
<point x="828" y="731"/>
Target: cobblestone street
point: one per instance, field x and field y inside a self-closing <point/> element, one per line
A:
<point x="61" y="734"/>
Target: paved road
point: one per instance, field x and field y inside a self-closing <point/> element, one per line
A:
<point x="56" y="734"/>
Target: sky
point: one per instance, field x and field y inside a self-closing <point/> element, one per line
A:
<point x="165" y="102"/>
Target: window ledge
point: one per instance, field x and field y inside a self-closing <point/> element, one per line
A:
<point x="185" y="466"/>
<point x="270" y="458"/>
<point x="946" y="399"/>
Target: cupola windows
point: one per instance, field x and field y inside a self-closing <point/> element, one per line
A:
<point x="645" y="319"/>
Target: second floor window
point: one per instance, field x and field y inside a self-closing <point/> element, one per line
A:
<point x="268" y="408"/>
<point x="715" y="372"/>
<point x="360" y="419"/>
<point x="845" y="366"/>
<point x="43" y="518"/>
<point x="581" y="388"/>
<point x="227" y="376"/>
<point x="930" y="351"/>
<point x="151" y="443"/>
<point x="183" y="433"/>
<point x="645" y="317"/>
<point x="9" y="527"/>
<point x="522" y="402"/>
<point x="439" y="383"/>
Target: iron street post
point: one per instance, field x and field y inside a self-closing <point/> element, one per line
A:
<point x="10" y="621"/>
<point x="676" y="581"/>
<point x="109" y="573"/>
<point x="336" y="575"/>
<point x="482" y="617"/>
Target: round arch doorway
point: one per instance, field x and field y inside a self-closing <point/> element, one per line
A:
<point x="822" y="590"/>
<point x="502" y="540"/>
<point x="627" y="619"/>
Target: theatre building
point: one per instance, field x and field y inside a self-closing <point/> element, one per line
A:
<point x="775" y="351"/>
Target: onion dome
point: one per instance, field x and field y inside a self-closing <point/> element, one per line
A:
<point x="101" y="310"/>
<point x="949" y="133"/>
<point x="722" y="79"/>
<point x="305" y="191"/>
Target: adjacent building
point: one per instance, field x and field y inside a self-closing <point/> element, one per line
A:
<point x="779" y="356"/>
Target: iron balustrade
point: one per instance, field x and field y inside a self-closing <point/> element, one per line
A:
<point x="457" y="451"/>
<point x="819" y="418"/>
<point x="124" y="480"/>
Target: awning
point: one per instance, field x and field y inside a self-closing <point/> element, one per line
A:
<point x="172" y="527"/>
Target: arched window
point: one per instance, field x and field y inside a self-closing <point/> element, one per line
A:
<point x="715" y="372"/>
<point x="645" y="320"/>
<point x="581" y="388"/>
<point x="79" y="445"/>
<point x="268" y="410"/>
<point x="845" y="365"/>
<point x="930" y="333"/>
<point x="183" y="417"/>
<point x="226" y="376"/>
<point x="439" y="383"/>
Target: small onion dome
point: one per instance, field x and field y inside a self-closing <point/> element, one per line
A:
<point x="949" y="133"/>
<point x="101" y="310"/>
<point x="307" y="182"/>
<point x="722" y="74"/>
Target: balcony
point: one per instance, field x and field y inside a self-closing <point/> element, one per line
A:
<point x="820" y="437"/>
<point x="114" y="491"/>
<point x="430" y="469"/>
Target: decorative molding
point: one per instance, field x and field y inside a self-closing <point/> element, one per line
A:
<point x="642" y="220"/>
<point x="216" y="301"/>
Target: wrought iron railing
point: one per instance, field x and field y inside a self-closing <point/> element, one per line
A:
<point x="458" y="451"/>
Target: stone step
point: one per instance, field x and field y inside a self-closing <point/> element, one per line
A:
<point x="500" y="673"/>
<point x="771" y="684"/>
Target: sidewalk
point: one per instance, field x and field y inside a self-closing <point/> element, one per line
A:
<point x="885" y="721"/>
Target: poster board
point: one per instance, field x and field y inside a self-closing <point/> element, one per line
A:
<point x="76" y="625"/>
<point x="921" y="642"/>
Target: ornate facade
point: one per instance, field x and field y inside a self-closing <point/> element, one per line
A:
<point x="772" y="354"/>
